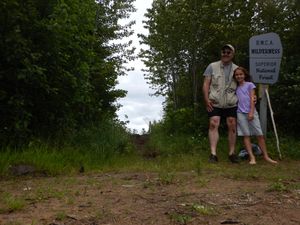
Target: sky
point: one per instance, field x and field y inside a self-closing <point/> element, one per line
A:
<point x="138" y="107"/>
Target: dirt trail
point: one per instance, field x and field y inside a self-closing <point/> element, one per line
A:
<point x="146" y="198"/>
<point x="140" y="142"/>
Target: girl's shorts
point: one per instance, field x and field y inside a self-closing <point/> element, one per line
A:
<point x="246" y="127"/>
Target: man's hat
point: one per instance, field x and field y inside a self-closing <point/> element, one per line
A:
<point x="229" y="46"/>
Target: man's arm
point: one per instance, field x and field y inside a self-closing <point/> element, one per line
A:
<point x="205" y="89"/>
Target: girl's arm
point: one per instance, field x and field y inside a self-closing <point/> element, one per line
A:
<point x="252" y="104"/>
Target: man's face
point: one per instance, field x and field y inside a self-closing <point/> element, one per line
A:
<point x="226" y="55"/>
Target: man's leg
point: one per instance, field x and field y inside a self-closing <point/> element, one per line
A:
<point x="231" y="124"/>
<point x="213" y="133"/>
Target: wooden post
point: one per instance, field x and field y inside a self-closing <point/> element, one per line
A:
<point x="263" y="108"/>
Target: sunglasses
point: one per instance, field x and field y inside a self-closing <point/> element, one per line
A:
<point x="226" y="52"/>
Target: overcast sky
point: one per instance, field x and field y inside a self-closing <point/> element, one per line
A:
<point x="138" y="105"/>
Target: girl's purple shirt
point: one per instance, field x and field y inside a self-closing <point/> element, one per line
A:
<point x="243" y="93"/>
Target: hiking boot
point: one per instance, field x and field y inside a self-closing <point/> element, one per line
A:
<point x="233" y="158"/>
<point x="213" y="158"/>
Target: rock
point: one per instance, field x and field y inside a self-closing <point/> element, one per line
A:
<point x="21" y="169"/>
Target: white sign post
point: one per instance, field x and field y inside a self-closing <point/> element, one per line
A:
<point x="265" y="52"/>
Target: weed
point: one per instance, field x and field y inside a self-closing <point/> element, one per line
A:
<point x="70" y="201"/>
<point x="295" y="186"/>
<point x="199" y="167"/>
<point x="204" y="210"/>
<point x="92" y="147"/>
<point x="60" y="216"/>
<point x="180" y="218"/>
<point x="48" y="192"/>
<point x="11" y="203"/>
<point x="278" y="186"/>
<point x="34" y="222"/>
<point x="202" y="182"/>
<point x="104" y="214"/>
<point x="166" y="178"/>
<point x="13" y="223"/>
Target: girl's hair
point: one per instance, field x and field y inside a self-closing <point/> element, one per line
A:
<point x="247" y="75"/>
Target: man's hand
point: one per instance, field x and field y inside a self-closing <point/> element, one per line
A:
<point x="209" y="106"/>
<point x="254" y="99"/>
<point x="205" y="89"/>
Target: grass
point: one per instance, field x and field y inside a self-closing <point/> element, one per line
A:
<point x="11" y="203"/>
<point x="204" y="209"/>
<point x="166" y="178"/>
<point x="278" y="186"/>
<point x="185" y="154"/>
<point x="90" y="149"/>
<point x="283" y="186"/>
<point x="180" y="218"/>
<point x="60" y="216"/>
<point x="108" y="148"/>
<point x="62" y="162"/>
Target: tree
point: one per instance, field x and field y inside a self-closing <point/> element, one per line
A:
<point x="186" y="35"/>
<point x="58" y="65"/>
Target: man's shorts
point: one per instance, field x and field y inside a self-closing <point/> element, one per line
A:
<point x="227" y="112"/>
<point x="246" y="127"/>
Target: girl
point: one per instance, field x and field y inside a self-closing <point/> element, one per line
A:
<point x="247" y="117"/>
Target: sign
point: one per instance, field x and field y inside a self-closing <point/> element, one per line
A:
<point x="265" y="52"/>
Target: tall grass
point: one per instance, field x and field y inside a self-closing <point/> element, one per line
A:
<point x="89" y="148"/>
<point x="167" y="144"/>
<point x="108" y="147"/>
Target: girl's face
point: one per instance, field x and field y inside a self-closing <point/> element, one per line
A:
<point x="239" y="76"/>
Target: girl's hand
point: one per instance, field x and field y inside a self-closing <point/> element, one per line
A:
<point x="250" y="116"/>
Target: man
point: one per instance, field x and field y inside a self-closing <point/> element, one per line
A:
<point x="221" y="101"/>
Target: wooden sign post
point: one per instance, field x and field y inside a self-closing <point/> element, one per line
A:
<point x="265" y="52"/>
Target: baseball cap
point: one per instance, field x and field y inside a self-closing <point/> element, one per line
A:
<point x="228" y="46"/>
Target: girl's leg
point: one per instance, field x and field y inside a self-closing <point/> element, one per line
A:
<point x="248" y="146"/>
<point x="263" y="147"/>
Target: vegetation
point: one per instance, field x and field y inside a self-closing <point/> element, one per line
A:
<point x="185" y="36"/>
<point x="11" y="203"/>
<point x="59" y="66"/>
<point x="91" y="148"/>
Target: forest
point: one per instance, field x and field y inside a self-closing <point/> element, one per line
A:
<point x="60" y="61"/>
<point x="59" y="66"/>
<point x="185" y="36"/>
<point x="66" y="157"/>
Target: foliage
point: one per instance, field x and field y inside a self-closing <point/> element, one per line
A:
<point x="58" y="66"/>
<point x="185" y="36"/>
<point x="167" y="144"/>
<point x="89" y="148"/>
<point x="278" y="186"/>
<point x="180" y="218"/>
<point x="11" y="203"/>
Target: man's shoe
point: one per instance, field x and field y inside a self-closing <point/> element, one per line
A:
<point x="233" y="158"/>
<point x="213" y="158"/>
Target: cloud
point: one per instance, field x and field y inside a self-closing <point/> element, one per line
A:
<point x="138" y="105"/>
